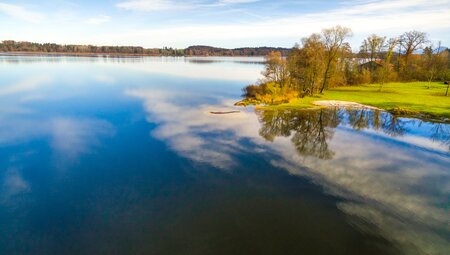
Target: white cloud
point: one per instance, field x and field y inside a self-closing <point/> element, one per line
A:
<point x="159" y="5"/>
<point x="148" y="5"/>
<point x="389" y="18"/>
<point x="237" y="1"/>
<point x="20" y="12"/>
<point x="99" y="20"/>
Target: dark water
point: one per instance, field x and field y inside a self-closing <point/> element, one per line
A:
<point x="122" y="156"/>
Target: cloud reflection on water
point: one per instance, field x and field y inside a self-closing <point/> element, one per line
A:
<point x="13" y="185"/>
<point x="386" y="177"/>
<point x="70" y="137"/>
<point x="224" y="69"/>
<point x="184" y="127"/>
<point x="29" y="84"/>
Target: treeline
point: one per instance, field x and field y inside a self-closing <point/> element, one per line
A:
<point x="324" y="60"/>
<point x="212" y="51"/>
<point x="13" y="46"/>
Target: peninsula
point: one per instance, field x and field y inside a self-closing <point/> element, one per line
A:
<point x="406" y="75"/>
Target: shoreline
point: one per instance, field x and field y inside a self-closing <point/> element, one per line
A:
<point x="398" y="112"/>
<point x="75" y="54"/>
<point x="344" y="104"/>
<point x="420" y="100"/>
<point x="90" y="54"/>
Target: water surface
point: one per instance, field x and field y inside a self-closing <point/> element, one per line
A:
<point x="122" y="156"/>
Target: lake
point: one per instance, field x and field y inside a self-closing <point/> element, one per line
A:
<point x="123" y="156"/>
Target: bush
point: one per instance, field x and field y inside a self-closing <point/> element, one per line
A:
<point x="268" y="93"/>
<point x="252" y="91"/>
<point x="364" y="77"/>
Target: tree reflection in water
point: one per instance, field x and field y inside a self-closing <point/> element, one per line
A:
<point x="362" y="119"/>
<point x="311" y="130"/>
<point x="441" y="133"/>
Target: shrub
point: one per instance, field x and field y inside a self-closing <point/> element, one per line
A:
<point x="252" y="91"/>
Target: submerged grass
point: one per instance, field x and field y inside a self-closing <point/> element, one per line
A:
<point x="401" y="98"/>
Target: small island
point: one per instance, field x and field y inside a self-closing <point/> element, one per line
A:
<point x="406" y="75"/>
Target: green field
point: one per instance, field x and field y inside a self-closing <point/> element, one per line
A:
<point x="413" y="98"/>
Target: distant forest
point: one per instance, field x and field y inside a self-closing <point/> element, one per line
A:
<point x="13" y="46"/>
<point x="211" y="51"/>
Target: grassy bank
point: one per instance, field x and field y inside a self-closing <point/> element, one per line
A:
<point x="412" y="98"/>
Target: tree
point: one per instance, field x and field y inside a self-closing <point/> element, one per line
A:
<point x="409" y="42"/>
<point x="333" y="40"/>
<point x="314" y="53"/>
<point x="434" y="64"/>
<point x="372" y="47"/>
<point x="430" y="59"/>
<point x="276" y="69"/>
<point x="307" y="65"/>
<point x="386" y="64"/>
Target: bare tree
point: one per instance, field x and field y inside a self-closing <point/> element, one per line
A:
<point x="411" y="41"/>
<point x="276" y="69"/>
<point x="373" y="46"/>
<point x="334" y="41"/>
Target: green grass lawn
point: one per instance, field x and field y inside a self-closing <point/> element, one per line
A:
<point x="412" y="97"/>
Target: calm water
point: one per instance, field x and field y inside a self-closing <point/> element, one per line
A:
<point x="122" y="156"/>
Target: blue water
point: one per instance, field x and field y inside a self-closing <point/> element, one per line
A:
<point x="123" y="156"/>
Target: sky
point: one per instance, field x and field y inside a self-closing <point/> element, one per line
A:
<point x="220" y="23"/>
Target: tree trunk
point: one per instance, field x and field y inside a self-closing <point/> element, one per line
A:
<point x="325" y="79"/>
<point x="430" y="79"/>
<point x="327" y="70"/>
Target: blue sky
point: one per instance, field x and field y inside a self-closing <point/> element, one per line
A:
<point x="222" y="23"/>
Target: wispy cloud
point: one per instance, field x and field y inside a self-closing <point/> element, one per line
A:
<point x="235" y="23"/>
<point x="147" y="5"/>
<point x="99" y="20"/>
<point x="159" y="5"/>
<point x="389" y="18"/>
<point x="237" y="1"/>
<point x="19" y="12"/>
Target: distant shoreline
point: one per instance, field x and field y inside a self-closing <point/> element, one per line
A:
<point x="78" y="54"/>
<point x="50" y="49"/>
<point x="89" y="54"/>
